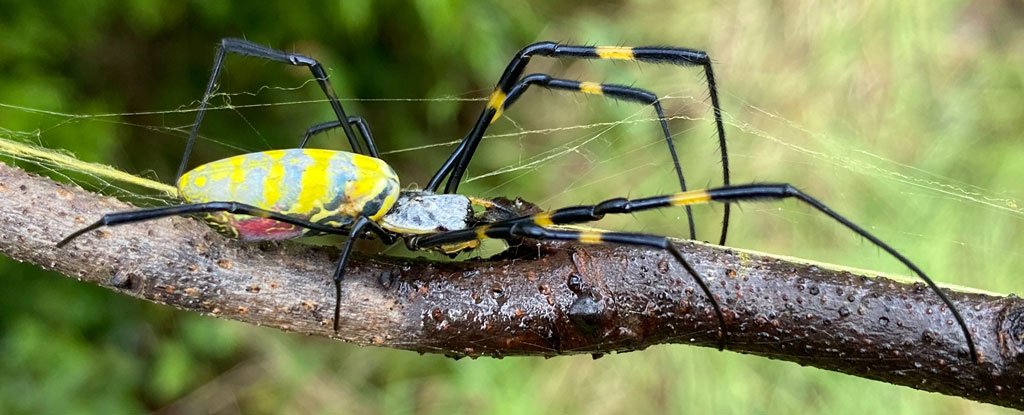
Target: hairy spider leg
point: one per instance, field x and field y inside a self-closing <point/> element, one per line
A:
<point x="361" y="226"/>
<point x="726" y="194"/>
<point x="147" y="214"/>
<point x="622" y="92"/>
<point x="732" y="194"/>
<point x="359" y="122"/>
<point x="458" y="161"/>
<point x="247" y="48"/>
<point x="539" y="227"/>
<point x="357" y="229"/>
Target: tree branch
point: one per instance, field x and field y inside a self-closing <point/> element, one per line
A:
<point x="568" y="299"/>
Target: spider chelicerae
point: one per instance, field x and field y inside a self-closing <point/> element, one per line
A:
<point x="283" y="194"/>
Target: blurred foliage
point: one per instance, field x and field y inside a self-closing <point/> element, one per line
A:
<point x="906" y="116"/>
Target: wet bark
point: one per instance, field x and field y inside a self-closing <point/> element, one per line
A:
<point x="561" y="298"/>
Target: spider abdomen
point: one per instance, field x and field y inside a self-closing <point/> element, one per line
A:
<point x="322" y="186"/>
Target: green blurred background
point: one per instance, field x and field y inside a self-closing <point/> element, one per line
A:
<point x="905" y="116"/>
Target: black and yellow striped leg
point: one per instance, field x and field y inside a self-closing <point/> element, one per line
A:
<point x="530" y="230"/>
<point x="750" y="192"/>
<point x="620" y="92"/>
<point x="536" y="227"/>
<point x="247" y="48"/>
<point x="142" y="215"/>
<point x="725" y="194"/>
<point x="358" y="122"/>
<point x="730" y="194"/>
<point x="458" y="161"/>
<point x="754" y="192"/>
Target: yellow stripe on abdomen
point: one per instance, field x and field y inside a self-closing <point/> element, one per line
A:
<point x="273" y="180"/>
<point x="315" y="182"/>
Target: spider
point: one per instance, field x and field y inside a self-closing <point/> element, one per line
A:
<point x="284" y="194"/>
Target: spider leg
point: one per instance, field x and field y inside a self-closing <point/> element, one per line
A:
<point x="620" y="92"/>
<point x="532" y="230"/>
<point x="247" y="48"/>
<point x="339" y="271"/>
<point x="142" y="215"/>
<point x="458" y="161"/>
<point x="732" y="194"/>
<point x="359" y="122"/>
<point x="724" y="194"/>
<point x="537" y="227"/>
<point x="359" y="227"/>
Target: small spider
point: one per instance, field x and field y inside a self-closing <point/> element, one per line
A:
<point x="284" y="194"/>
